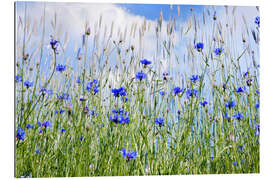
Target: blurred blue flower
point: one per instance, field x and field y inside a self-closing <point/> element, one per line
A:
<point x="125" y="99"/>
<point x="199" y="46"/>
<point x="191" y="93"/>
<point x="257" y="21"/>
<point x="145" y="62"/>
<point x="63" y="96"/>
<point x="230" y="104"/>
<point x="141" y="75"/>
<point x="94" y="113"/>
<point x="40" y="131"/>
<point x="257" y="92"/>
<point x="235" y="163"/>
<point x="78" y="80"/>
<point x="249" y="82"/>
<point x="20" y="134"/>
<point x="177" y="90"/>
<point x="239" y="116"/>
<point x="61" y="111"/>
<point x="195" y="78"/>
<point x="162" y="93"/>
<point x="63" y="130"/>
<point x="240" y="90"/>
<point x="257" y="127"/>
<point x="93" y="86"/>
<point x="54" y="44"/>
<point x="60" y="67"/>
<point x="86" y="109"/>
<point x="203" y="103"/>
<point x="257" y="105"/>
<point x="28" y="84"/>
<point x="119" y="116"/>
<point x="218" y="51"/>
<point x="37" y="151"/>
<point x="81" y="138"/>
<point x="46" y="124"/>
<point x="119" y="92"/>
<point x="128" y="155"/>
<point x="245" y="74"/>
<point x="160" y="121"/>
<point x="18" y="78"/>
<point x="43" y="91"/>
<point x="29" y="126"/>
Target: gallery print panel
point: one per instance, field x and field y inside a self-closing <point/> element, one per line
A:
<point x="136" y="89"/>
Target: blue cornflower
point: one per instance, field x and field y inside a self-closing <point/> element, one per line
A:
<point x="119" y="119"/>
<point x="249" y="82"/>
<point x="60" y="67"/>
<point x="128" y="155"/>
<point x="18" y="78"/>
<point x="37" y="151"/>
<point x="93" y="86"/>
<point x="235" y="163"/>
<point x="245" y="74"/>
<point x="63" y="130"/>
<point x="145" y="62"/>
<point x="54" y="44"/>
<point x="20" y="134"/>
<point x="78" y="80"/>
<point x="257" y="105"/>
<point x="61" y="111"/>
<point x="46" y="124"/>
<point x="63" y="96"/>
<point x="29" y="126"/>
<point x="141" y="76"/>
<point x="177" y="90"/>
<point x="240" y="90"/>
<point x="94" y="113"/>
<point x="230" y="104"/>
<point x="119" y="92"/>
<point x="28" y="84"/>
<point x="203" y="103"/>
<point x="162" y="93"/>
<point x="257" y="92"/>
<point x="81" y="138"/>
<point x="257" y="127"/>
<point x="43" y="91"/>
<point x="40" y="131"/>
<point x="119" y="116"/>
<point x="191" y="93"/>
<point x="125" y="99"/>
<point x="195" y="78"/>
<point x="160" y="121"/>
<point x="257" y="21"/>
<point x="199" y="46"/>
<point x="239" y="116"/>
<point x="218" y="51"/>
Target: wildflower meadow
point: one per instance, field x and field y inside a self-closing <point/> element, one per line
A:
<point x="136" y="89"/>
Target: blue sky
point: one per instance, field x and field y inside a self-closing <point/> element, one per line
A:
<point x="72" y="18"/>
<point x="151" y="11"/>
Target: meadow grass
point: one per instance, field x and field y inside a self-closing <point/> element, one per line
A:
<point x="83" y="139"/>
